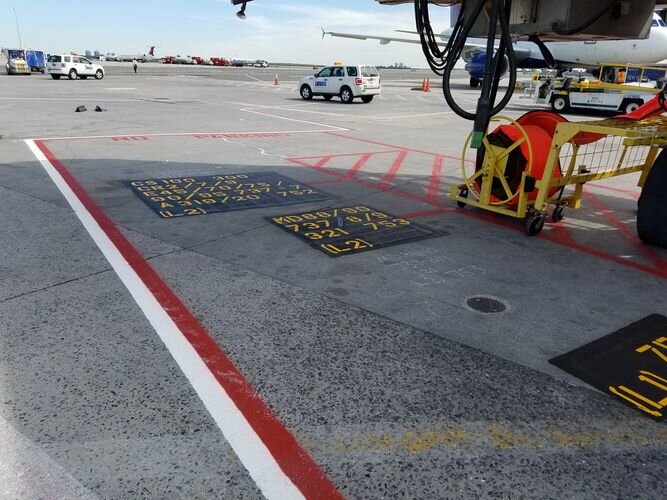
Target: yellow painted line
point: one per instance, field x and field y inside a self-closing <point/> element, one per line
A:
<point x="193" y="193"/>
<point x="488" y="435"/>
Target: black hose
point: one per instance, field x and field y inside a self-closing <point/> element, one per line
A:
<point x="505" y="49"/>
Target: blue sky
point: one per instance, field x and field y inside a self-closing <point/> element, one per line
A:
<point x="276" y="30"/>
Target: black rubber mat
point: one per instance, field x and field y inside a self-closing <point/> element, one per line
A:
<point x="187" y="196"/>
<point x="349" y="230"/>
<point x="630" y="364"/>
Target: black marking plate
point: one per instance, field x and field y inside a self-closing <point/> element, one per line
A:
<point x="187" y="196"/>
<point x="630" y="364"/>
<point x="348" y="230"/>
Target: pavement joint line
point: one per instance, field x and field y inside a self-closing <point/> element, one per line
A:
<point x="56" y="285"/>
<point x="275" y="461"/>
<point x="50" y="202"/>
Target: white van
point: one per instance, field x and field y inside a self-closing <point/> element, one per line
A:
<point x="347" y="82"/>
<point x="73" y="67"/>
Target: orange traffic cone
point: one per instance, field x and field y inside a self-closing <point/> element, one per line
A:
<point x="424" y="85"/>
<point x="275" y="80"/>
<point x="428" y="85"/>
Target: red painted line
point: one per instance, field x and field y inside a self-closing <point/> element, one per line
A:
<point x="631" y="194"/>
<point x="434" y="186"/>
<point x="351" y="154"/>
<point x="501" y="221"/>
<point x="357" y="166"/>
<point x="286" y="451"/>
<point x="610" y="257"/>
<point x="323" y="161"/>
<point x="329" y="181"/>
<point x="630" y="236"/>
<point x="371" y="184"/>
<point x="562" y="235"/>
<point x="384" y="144"/>
<point x="386" y="181"/>
<point x="425" y="213"/>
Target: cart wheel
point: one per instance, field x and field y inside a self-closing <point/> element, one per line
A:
<point x="534" y="224"/>
<point x="558" y="213"/>
<point x="463" y="193"/>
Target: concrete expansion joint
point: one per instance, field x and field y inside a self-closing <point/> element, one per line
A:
<point x="56" y="285"/>
<point x="50" y="202"/>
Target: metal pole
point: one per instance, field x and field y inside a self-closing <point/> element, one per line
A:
<point x="17" y="28"/>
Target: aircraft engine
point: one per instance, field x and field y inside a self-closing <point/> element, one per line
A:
<point x="475" y="67"/>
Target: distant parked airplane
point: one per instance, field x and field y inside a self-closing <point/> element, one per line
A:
<point x="131" y="57"/>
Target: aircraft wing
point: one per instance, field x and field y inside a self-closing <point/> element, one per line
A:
<point x="384" y="40"/>
<point x="470" y="50"/>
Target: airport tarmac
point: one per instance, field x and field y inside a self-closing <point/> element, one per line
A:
<point x="152" y="350"/>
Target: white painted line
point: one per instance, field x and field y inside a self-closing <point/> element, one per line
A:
<point x="252" y="452"/>
<point x="316" y="112"/>
<point x="420" y="115"/>
<point x="400" y="97"/>
<point x="332" y="127"/>
<point x="55" y="99"/>
<point x="256" y="79"/>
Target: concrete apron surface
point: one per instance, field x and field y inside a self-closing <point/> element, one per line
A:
<point x="373" y="363"/>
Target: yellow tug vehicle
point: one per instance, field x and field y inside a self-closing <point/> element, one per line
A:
<point x="541" y="159"/>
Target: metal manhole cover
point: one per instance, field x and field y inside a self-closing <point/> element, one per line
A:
<point x="486" y="305"/>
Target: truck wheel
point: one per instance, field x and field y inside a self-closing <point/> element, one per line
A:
<point x="560" y="104"/>
<point x="630" y="106"/>
<point x="72" y="74"/>
<point x="55" y="77"/>
<point x="346" y="95"/>
<point x="652" y="206"/>
<point x="306" y="93"/>
<point x="366" y="98"/>
<point x="99" y="74"/>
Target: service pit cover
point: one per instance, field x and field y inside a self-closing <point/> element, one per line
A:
<point x="172" y="197"/>
<point x="630" y="364"/>
<point x="349" y="230"/>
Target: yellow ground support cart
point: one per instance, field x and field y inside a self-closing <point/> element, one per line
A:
<point x="541" y="159"/>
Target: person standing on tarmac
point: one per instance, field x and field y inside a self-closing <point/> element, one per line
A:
<point x="134" y="65"/>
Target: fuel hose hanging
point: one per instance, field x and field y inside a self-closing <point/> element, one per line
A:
<point x="442" y="61"/>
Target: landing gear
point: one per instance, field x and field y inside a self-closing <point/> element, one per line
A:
<point x="474" y="82"/>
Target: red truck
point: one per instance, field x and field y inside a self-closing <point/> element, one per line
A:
<point x="220" y="61"/>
